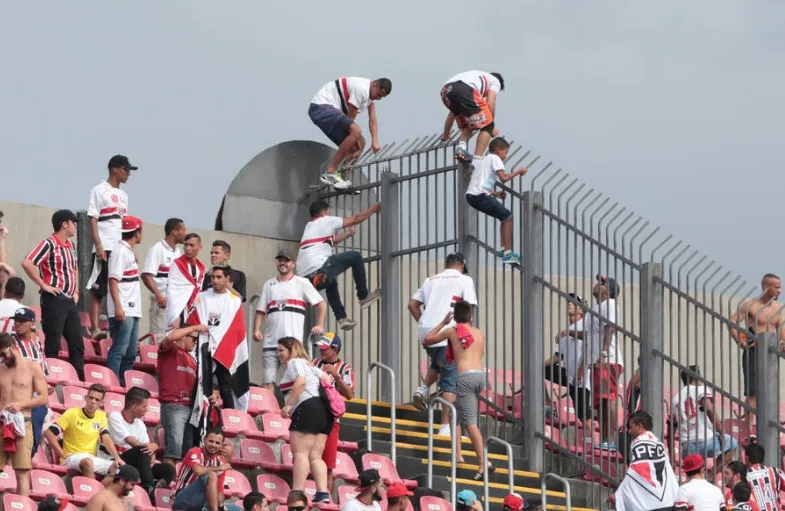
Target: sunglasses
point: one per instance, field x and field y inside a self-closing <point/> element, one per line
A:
<point x="297" y="508"/>
<point x="4" y="353"/>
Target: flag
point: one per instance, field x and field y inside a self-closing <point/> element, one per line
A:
<point x="182" y="286"/>
<point x="224" y="343"/>
<point x="650" y="482"/>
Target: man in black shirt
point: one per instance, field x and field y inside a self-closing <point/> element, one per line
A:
<point x="219" y="255"/>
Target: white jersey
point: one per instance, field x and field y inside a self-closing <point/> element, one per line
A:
<point x="356" y="505"/>
<point x="157" y="262"/>
<point x="439" y="294"/>
<point x="317" y="243"/>
<point x="699" y="495"/>
<point x="594" y="331"/>
<point x="687" y="405"/>
<point x="484" y="176"/>
<point x="109" y="205"/>
<point x="8" y="307"/>
<point x="120" y="429"/>
<point x="283" y="303"/>
<point x="571" y="350"/>
<point x="123" y="269"/>
<point x="479" y="80"/>
<point x="349" y="90"/>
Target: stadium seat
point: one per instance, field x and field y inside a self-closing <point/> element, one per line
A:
<point x="238" y="485"/>
<point x="164" y="498"/>
<point x="37" y="310"/>
<point x="44" y="460"/>
<point x="140" y="500"/>
<point x="103" y="346"/>
<point x="53" y="402"/>
<point x="94" y="373"/>
<point x="310" y="491"/>
<point x="429" y="503"/>
<point x="275" y="488"/>
<point x="14" y="502"/>
<point x="134" y="378"/>
<point x="255" y="453"/>
<point x="62" y="372"/>
<point x="7" y="480"/>
<point x="238" y="422"/>
<point x="346" y="493"/>
<point x="91" y="356"/>
<point x="74" y="397"/>
<point x="43" y="483"/>
<point x="287" y="462"/>
<point x="386" y="469"/>
<point x="346" y="469"/>
<point x="113" y="402"/>
<point x="275" y="427"/>
<point x="148" y="358"/>
<point x="63" y="353"/>
<point x="84" y="488"/>
<point x="153" y="415"/>
<point x="262" y="401"/>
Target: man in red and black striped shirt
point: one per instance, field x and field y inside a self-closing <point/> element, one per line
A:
<point x="200" y="480"/>
<point x="52" y="267"/>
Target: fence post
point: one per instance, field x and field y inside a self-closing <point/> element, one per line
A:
<point x="532" y="322"/>
<point x="652" y="339"/>
<point x="767" y="406"/>
<point x="467" y="221"/>
<point x="84" y="255"/>
<point x="390" y="347"/>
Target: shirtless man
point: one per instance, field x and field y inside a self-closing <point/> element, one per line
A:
<point x="20" y="380"/>
<point x="121" y="485"/>
<point x="762" y="314"/>
<point x="467" y="347"/>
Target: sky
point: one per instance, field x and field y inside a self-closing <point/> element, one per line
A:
<point x="673" y="108"/>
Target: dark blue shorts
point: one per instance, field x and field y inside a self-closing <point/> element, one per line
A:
<point x="489" y="205"/>
<point x="333" y="123"/>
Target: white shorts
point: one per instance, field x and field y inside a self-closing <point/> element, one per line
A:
<point x="270" y="366"/>
<point x="101" y="466"/>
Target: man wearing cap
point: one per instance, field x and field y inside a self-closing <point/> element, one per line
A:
<point x="125" y="304"/>
<point x="10" y="303"/>
<point x="343" y="378"/>
<point x="466" y="500"/>
<point x="369" y="494"/>
<point x="29" y="347"/>
<point x="697" y="494"/>
<point x="52" y="266"/>
<point x="438" y="294"/>
<point x="52" y="503"/>
<point x="106" y="209"/>
<point x="156" y="272"/>
<point x="122" y="484"/>
<point x="398" y="497"/>
<point x="282" y="308"/>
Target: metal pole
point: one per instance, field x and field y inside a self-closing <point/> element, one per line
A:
<point x="453" y="444"/>
<point x="510" y="467"/>
<point x="368" y="411"/>
<point x="390" y="347"/>
<point x="84" y="254"/>
<point x="652" y="340"/>
<point x="567" y="492"/>
<point x="767" y="406"/>
<point x="532" y="322"/>
<point x="467" y="220"/>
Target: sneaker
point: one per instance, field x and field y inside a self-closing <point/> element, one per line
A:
<point x="321" y="496"/>
<point x="346" y="324"/>
<point x="607" y="446"/>
<point x="368" y="300"/>
<point x="444" y="430"/>
<point x="335" y="180"/>
<point x="420" y="399"/>
<point x="511" y="258"/>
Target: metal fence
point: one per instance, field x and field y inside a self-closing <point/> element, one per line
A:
<point x="673" y="310"/>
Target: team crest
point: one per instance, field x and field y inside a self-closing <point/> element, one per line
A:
<point x="96" y="426"/>
<point x="280" y="304"/>
<point x="214" y="319"/>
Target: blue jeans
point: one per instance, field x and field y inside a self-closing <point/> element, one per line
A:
<point x="710" y="447"/>
<point x="334" y="266"/>
<point x="122" y="353"/>
<point x="178" y="433"/>
<point x="37" y="417"/>
<point x="194" y="497"/>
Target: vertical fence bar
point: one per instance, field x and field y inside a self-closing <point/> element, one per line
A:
<point x="390" y="348"/>
<point x="84" y="254"/>
<point x="767" y="405"/>
<point x="652" y="339"/>
<point x="453" y="444"/>
<point x="467" y="220"/>
<point x="544" y="489"/>
<point x="510" y="467"/>
<point x="533" y="334"/>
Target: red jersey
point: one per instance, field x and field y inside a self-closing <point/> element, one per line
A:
<point x="197" y="456"/>
<point x="752" y="503"/>
<point x="56" y="261"/>
<point x="176" y="375"/>
<point x="766" y="483"/>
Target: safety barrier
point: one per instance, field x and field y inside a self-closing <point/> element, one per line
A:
<point x="544" y="490"/>
<point x="510" y="466"/>
<point x="369" y="403"/>
<point x="453" y="444"/>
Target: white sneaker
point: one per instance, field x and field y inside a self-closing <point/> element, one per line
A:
<point x="444" y="430"/>
<point x="420" y="398"/>
<point x="335" y="180"/>
<point x="346" y="324"/>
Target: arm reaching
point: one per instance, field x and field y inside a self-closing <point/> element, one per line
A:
<point x="361" y="217"/>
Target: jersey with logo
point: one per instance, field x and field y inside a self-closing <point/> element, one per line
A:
<point x="317" y="243"/>
<point x="345" y="91"/>
<point x="283" y="304"/>
<point x="109" y="205"/>
<point x="687" y="406"/>
<point x="123" y="269"/>
<point x="438" y="294"/>
<point x="157" y="262"/>
<point x="80" y="432"/>
<point x="766" y="483"/>
<point x="8" y="307"/>
<point x="197" y="457"/>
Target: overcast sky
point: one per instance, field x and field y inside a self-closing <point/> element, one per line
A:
<point x="673" y="108"/>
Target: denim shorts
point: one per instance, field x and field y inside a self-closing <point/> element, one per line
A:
<point x="333" y="123"/>
<point x="448" y="374"/>
<point x="710" y="448"/>
<point x="489" y="205"/>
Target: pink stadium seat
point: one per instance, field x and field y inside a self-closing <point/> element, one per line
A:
<point x="94" y="373"/>
<point x="148" y="358"/>
<point x="43" y="483"/>
<point x="113" y="402"/>
<point x="53" y="402"/>
<point x="44" y="460"/>
<point x="256" y="454"/>
<point x="286" y="457"/>
<point x="386" y="469"/>
<point x="7" y="480"/>
<point x="429" y="503"/>
<point x="37" y="310"/>
<point x="140" y="500"/>
<point x="310" y="491"/>
<point x="62" y="372"/>
<point x="238" y="485"/>
<point x="346" y="493"/>
<point x="104" y="345"/>
<point x="14" y="502"/>
<point x="164" y="498"/>
<point x="275" y="427"/>
<point x="91" y="356"/>
<point x="141" y="379"/>
<point x="74" y="396"/>
<point x="275" y="488"/>
<point x="84" y="488"/>
<point x="238" y="422"/>
<point x="153" y="415"/>
<point x="345" y="468"/>
<point x="262" y="401"/>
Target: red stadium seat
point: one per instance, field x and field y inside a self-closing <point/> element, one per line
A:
<point x="238" y="422"/>
<point x="164" y="498"/>
<point x="386" y="469"/>
<point x="140" y="500"/>
<point x="14" y="502"/>
<point x="143" y="380"/>
<point x="94" y="373"/>
<point x="104" y="345"/>
<point x="275" y="488"/>
<point x="346" y="493"/>
<point x="238" y="485"/>
<point x="62" y="372"/>
<point x="148" y="358"/>
<point x="113" y="402"/>
<point x="153" y="415"/>
<point x="429" y="503"/>
<point x="256" y="454"/>
<point x="91" y="356"/>
<point x="53" y="402"/>
<point x="287" y="461"/>
<point x="84" y="489"/>
<point x="8" y="480"/>
<point x="44" y="460"/>
<point x="262" y="401"/>
<point x="345" y="468"/>
<point x="43" y="483"/>
<point x="275" y="427"/>
<point x="74" y="397"/>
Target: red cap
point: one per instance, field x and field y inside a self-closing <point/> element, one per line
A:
<point x="692" y="462"/>
<point x="397" y="490"/>
<point x="131" y="223"/>
<point x="513" y="502"/>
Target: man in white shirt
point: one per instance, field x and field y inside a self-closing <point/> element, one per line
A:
<point x="282" y="308"/>
<point x="698" y="494"/>
<point x="699" y="426"/>
<point x="334" y="109"/>
<point x="156" y="272"/>
<point x="369" y="496"/>
<point x="471" y="99"/>
<point x="14" y="294"/>
<point x="439" y="294"/>
<point x="317" y="263"/>
<point x="125" y="304"/>
<point x="132" y="441"/>
<point x="106" y="209"/>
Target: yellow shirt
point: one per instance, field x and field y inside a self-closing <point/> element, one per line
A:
<point x="80" y="432"/>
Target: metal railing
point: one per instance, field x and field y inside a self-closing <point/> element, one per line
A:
<point x="544" y="489"/>
<point x="510" y="467"/>
<point x="369" y="404"/>
<point x="453" y="444"/>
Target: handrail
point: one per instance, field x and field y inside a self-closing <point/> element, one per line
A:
<point x="510" y="468"/>
<point x="368" y="410"/>
<point x="565" y="482"/>
<point x="453" y="446"/>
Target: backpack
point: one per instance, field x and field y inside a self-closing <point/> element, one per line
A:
<point x="332" y="399"/>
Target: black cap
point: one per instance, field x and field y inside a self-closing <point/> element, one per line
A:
<point x="60" y="216"/>
<point x="610" y="283"/>
<point x="284" y="252"/>
<point x="368" y="478"/>
<point x="128" y="473"/>
<point x="118" y="160"/>
<point x="457" y="258"/>
<point x="50" y="503"/>
<point x="24" y="314"/>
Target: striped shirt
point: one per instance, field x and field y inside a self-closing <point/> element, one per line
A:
<point x="56" y="261"/>
<point x="197" y="456"/>
<point x="31" y="350"/>
<point x="766" y="483"/>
